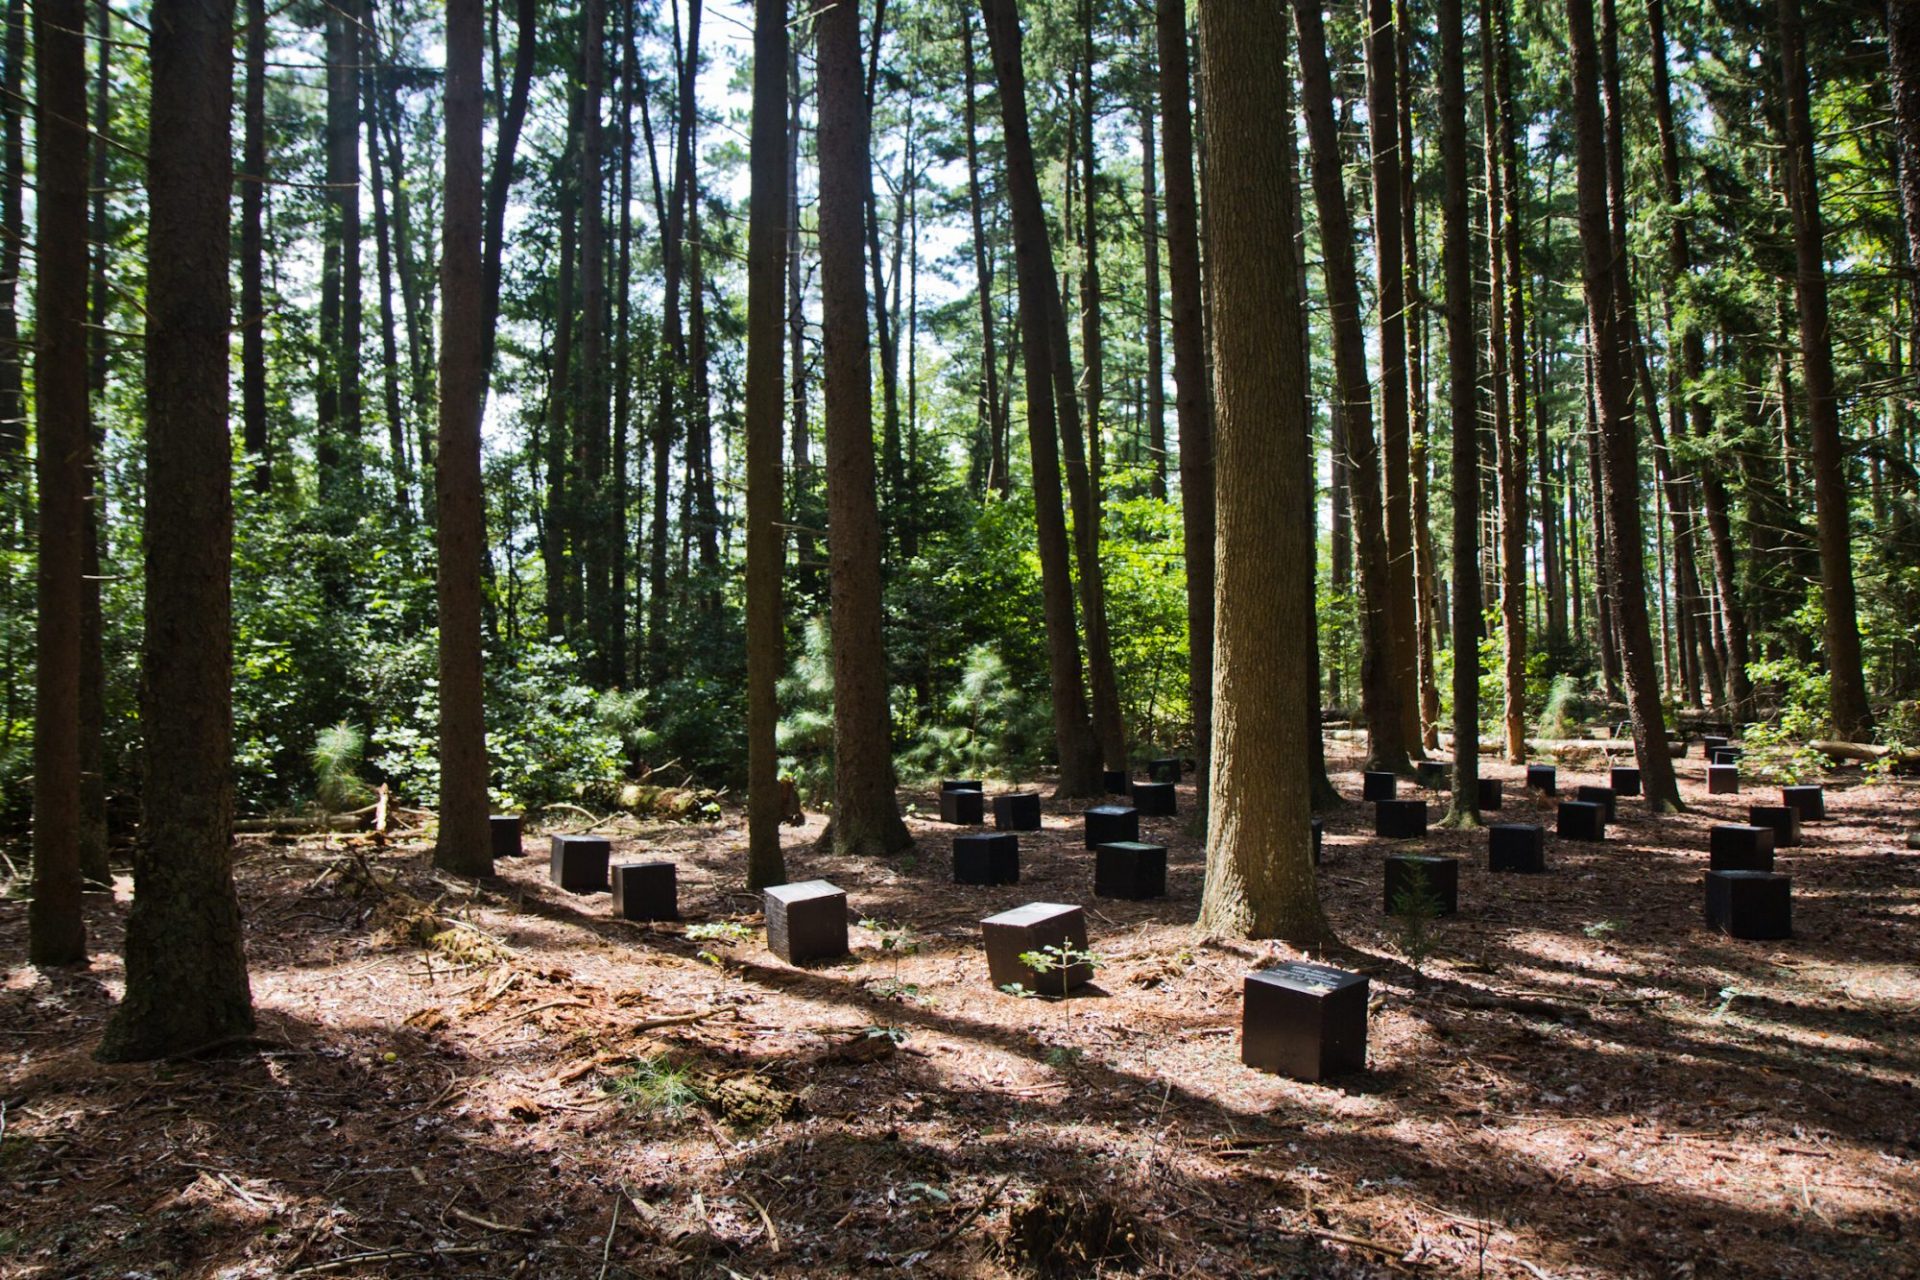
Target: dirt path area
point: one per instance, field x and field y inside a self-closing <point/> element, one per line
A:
<point x="1581" y="1081"/>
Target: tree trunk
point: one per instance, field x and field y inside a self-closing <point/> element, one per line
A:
<point x="500" y="179"/>
<point x="1852" y="717"/>
<point x="383" y="246"/>
<point x="590" y="515"/>
<point x="343" y="192"/>
<point x="1379" y="690"/>
<point x="766" y="547"/>
<point x="1383" y="112"/>
<point x="1156" y="341"/>
<point x="800" y="509"/>
<point x="253" y="306"/>
<point x="989" y="412"/>
<point x="1419" y="428"/>
<point x="1510" y="358"/>
<point x="616" y="528"/>
<point x="186" y="964"/>
<point x="57" y="932"/>
<point x="866" y="815"/>
<point x="1608" y="317"/>
<point x="93" y="784"/>
<point x="1463" y="408"/>
<point x="1903" y="65"/>
<point x="13" y="419"/>
<point x="1191" y="403"/>
<point x="1079" y="753"/>
<point x="561" y="496"/>
<point x="1259" y="880"/>
<point x="1092" y="356"/>
<point x="463" y="846"/>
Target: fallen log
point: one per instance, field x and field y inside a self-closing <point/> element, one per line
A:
<point x="1904" y="759"/>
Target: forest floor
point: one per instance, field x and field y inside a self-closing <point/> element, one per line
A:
<point x="1581" y="1081"/>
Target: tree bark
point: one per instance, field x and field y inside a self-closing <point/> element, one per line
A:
<point x="1379" y="689"/>
<point x="500" y="180"/>
<point x="990" y="414"/>
<point x="57" y="932"/>
<point x="1383" y="114"/>
<point x="253" y="190"/>
<point x="1903" y="65"/>
<point x="1608" y="319"/>
<point x="1156" y="326"/>
<point x="866" y="816"/>
<point x="186" y="962"/>
<point x="13" y="227"/>
<point x="1510" y="368"/>
<point x="1464" y="409"/>
<point x="384" y="259"/>
<point x="1079" y="752"/>
<point x="766" y="547"/>
<point x="1259" y="880"/>
<point x="343" y="193"/>
<point x="463" y="846"/>
<point x="561" y="497"/>
<point x="591" y="517"/>
<point x="1192" y="407"/>
<point x="1852" y="717"/>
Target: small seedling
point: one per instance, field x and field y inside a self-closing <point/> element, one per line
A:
<point x="726" y="932"/>
<point x="1415" y="908"/>
<point x="655" y="1086"/>
<point x="896" y="1034"/>
<point x="1601" y="928"/>
<point x="1062" y="960"/>
<point x="1727" y="996"/>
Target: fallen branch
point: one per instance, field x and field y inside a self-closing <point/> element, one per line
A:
<point x="389" y="1255"/>
<point x="1904" y="758"/>
<point x="489" y="1223"/>
<point x="681" y="1019"/>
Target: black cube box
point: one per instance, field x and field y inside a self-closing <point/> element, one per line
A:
<point x="1155" y="799"/>
<point x="1624" y="780"/>
<point x="646" y="891"/>
<point x="1400" y="819"/>
<point x="1709" y="742"/>
<point x="968" y="808"/>
<point x="986" y="857"/>
<point x="1723" y="780"/>
<point x="1432" y="774"/>
<point x="1602" y="796"/>
<point x="578" y="864"/>
<point x="806" y="921"/>
<point x="1726" y="755"/>
<point x="1414" y="876"/>
<point x="1017" y="811"/>
<point x="1540" y="777"/>
<point x="1319" y="835"/>
<point x="961" y="784"/>
<point x="1116" y="781"/>
<point x="503" y="832"/>
<point x="1165" y="769"/>
<point x="1517" y="846"/>
<point x="1011" y="934"/>
<point x="1809" y="802"/>
<point x="1735" y="848"/>
<point x="1111" y="824"/>
<point x="1784" y="819"/>
<point x="1307" y="1021"/>
<point x="1130" y="869"/>
<point x="1490" y="793"/>
<point x="1378" y="785"/>
<point x="1582" y="820"/>
<point x="1756" y="905"/>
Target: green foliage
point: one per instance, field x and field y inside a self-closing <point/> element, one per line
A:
<point x="655" y="1086"/>
<point x="337" y="757"/>
<point x="1415" y="908"/>
<point x="805" y="732"/>
<point x="1557" y="713"/>
<point x="991" y="724"/>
